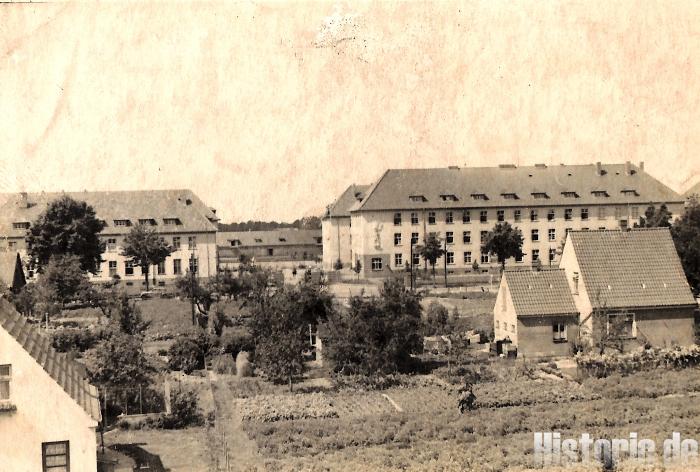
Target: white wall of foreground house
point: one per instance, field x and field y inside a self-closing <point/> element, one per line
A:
<point x="44" y="413"/>
<point x="582" y="299"/>
<point x="505" y="319"/>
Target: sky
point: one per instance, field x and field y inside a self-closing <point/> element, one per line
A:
<point x="270" y="110"/>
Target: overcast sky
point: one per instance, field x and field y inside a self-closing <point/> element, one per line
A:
<point x="268" y="111"/>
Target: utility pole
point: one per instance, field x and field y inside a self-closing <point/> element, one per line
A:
<point x="194" y="321"/>
<point x="445" y="257"/>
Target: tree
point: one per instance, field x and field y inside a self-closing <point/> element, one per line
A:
<point x="63" y="280"/>
<point x="504" y="241"/>
<point x="121" y="361"/>
<point x="145" y="248"/>
<point x="375" y="335"/>
<point x="654" y="218"/>
<point x="431" y="251"/>
<point x="437" y="320"/>
<point x="686" y="237"/>
<point x="67" y="227"/>
<point x="358" y="268"/>
<point x="606" y="329"/>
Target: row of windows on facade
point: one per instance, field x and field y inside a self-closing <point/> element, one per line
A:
<point x="111" y="243"/>
<point x="514" y="196"/>
<point x="129" y="267"/>
<point x="466" y="215"/>
<point x="121" y="222"/>
<point x="378" y="263"/>
<point x="558" y="330"/>
<point x="55" y="455"/>
<point x="467" y="236"/>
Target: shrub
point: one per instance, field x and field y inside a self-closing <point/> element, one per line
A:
<point x="234" y="341"/>
<point x="600" y="366"/>
<point x="75" y="339"/>
<point x="184" y="410"/>
<point x="187" y="353"/>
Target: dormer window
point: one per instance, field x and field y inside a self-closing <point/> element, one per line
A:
<point x="122" y="222"/>
<point x="235" y="242"/>
<point x="417" y="198"/>
<point x="629" y="192"/>
<point x="172" y="221"/>
<point x="510" y="196"/>
<point x="479" y="196"/>
<point x="283" y="240"/>
<point x="570" y="195"/>
<point x="540" y="195"/>
<point x="600" y="193"/>
<point x="258" y="240"/>
<point x="147" y="221"/>
<point x="449" y="198"/>
<point x="21" y="225"/>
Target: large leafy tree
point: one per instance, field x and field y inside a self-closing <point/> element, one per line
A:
<point x="67" y="227"/>
<point x="121" y="361"/>
<point x="504" y="241"/>
<point x="145" y="248"/>
<point x="376" y="335"/>
<point x="63" y="280"/>
<point x="654" y="218"/>
<point x="431" y="251"/>
<point x="686" y="236"/>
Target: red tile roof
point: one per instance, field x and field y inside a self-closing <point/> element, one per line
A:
<point x="540" y="292"/>
<point x="628" y="269"/>
<point x="67" y="373"/>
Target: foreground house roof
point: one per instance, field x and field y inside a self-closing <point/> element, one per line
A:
<point x="169" y="211"/>
<point x="507" y="186"/>
<point x="275" y="237"/>
<point x="628" y="269"/>
<point x="540" y="292"/>
<point x="67" y="373"/>
<point x="347" y="200"/>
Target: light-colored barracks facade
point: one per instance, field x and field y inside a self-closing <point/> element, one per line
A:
<point x="178" y="216"/>
<point x="378" y="224"/>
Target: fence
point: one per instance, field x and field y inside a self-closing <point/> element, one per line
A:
<point x="136" y="400"/>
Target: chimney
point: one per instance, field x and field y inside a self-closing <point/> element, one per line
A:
<point x="628" y="168"/>
<point x="23" y="200"/>
<point x="598" y="168"/>
<point x="641" y="166"/>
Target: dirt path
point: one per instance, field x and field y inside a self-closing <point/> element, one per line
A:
<point x="242" y="451"/>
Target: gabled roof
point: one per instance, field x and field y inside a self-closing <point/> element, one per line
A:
<point x="694" y="190"/>
<point x="67" y="373"/>
<point x="341" y="207"/>
<point x="532" y="185"/>
<point x="540" y="292"/>
<point x="275" y="237"/>
<point x="628" y="269"/>
<point x="182" y="205"/>
<point x="8" y="265"/>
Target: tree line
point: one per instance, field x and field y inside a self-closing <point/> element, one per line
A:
<point x="307" y="222"/>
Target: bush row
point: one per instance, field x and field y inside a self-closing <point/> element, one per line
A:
<point x="600" y="366"/>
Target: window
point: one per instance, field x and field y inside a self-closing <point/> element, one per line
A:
<point x="552" y="254"/>
<point x="414" y="218"/>
<point x="510" y="196"/>
<point x="376" y="263"/>
<point x="533" y="215"/>
<point x="568" y="214"/>
<point x="485" y="259"/>
<point x="129" y="268"/>
<point x="601" y="213"/>
<point x="540" y="195"/>
<point x="417" y="198"/>
<point x="270" y="251"/>
<point x="172" y="221"/>
<point x="629" y="192"/>
<point x="535" y="235"/>
<point x="535" y="255"/>
<point x="551" y="214"/>
<point x="559" y="332"/>
<point x="122" y="222"/>
<point x="111" y="244"/>
<point x="112" y="268"/>
<point x="618" y="212"/>
<point x="570" y="195"/>
<point x="398" y="260"/>
<point x="397" y="219"/>
<point x="414" y="238"/>
<point x="191" y="242"/>
<point x="466" y="216"/>
<point x="634" y="212"/>
<point x="622" y="325"/>
<point x="449" y="237"/>
<point x="177" y="266"/>
<point x="147" y="221"/>
<point x="55" y="456"/>
<point x="450" y="257"/>
<point x="600" y="193"/>
<point x="12" y="244"/>
<point x="194" y="265"/>
<point x="20" y="225"/>
<point x="448" y="217"/>
<point x="467" y="237"/>
<point x="483" y="236"/>
<point x="500" y="215"/>
<point x="431" y="217"/>
<point x="512" y="328"/>
<point x="416" y="259"/>
<point x="479" y="196"/>
<point x="5" y="377"/>
<point x="584" y="213"/>
<point x="449" y="198"/>
<point x="176" y="243"/>
<point x="519" y="257"/>
<point x="498" y="325"/>
<point x="467" y="257"/>
<point x="483" y="216"/>
<point x="552" y="234"/>
<point x="161" y="268"/>
<point x="575" y="280"/>
<point x="516" y="215"/>
<point x="397" y="239"/>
